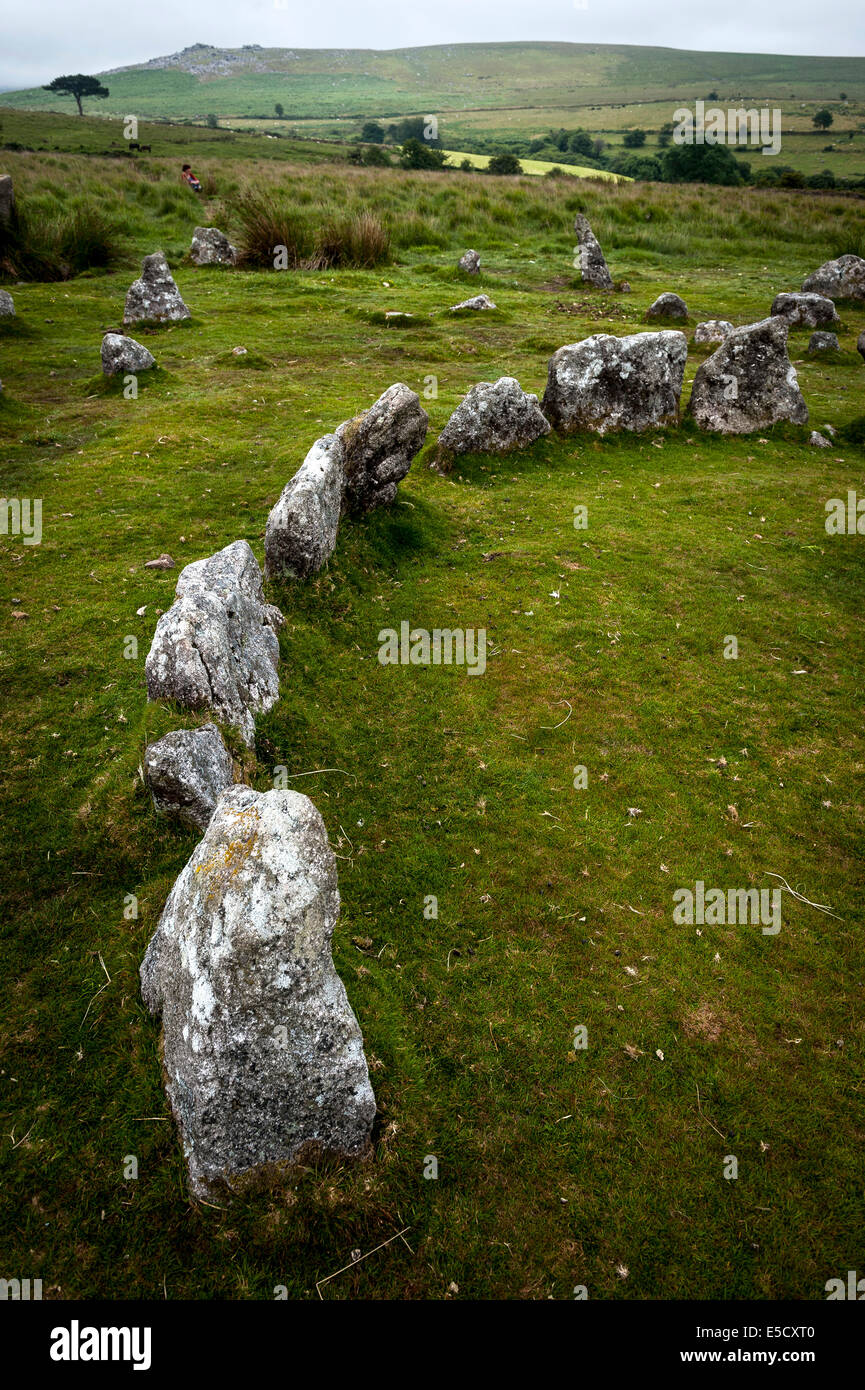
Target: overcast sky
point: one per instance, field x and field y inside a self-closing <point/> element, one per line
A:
<point x="43" y="38"/>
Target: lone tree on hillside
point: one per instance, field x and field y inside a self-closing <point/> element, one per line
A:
<point x="823" y="118"/>
<point x="279" y="109"/>
<point x="634" y="139"/>
<point x="77" y="86"/>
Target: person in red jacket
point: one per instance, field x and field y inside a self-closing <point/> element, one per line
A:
<point x="187" y="174"/>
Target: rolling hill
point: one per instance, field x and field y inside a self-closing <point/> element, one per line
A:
<point x="452" y="78"/>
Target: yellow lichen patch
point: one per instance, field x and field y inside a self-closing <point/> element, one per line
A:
<point x="229" y="858"/>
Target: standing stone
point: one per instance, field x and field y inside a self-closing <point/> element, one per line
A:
<point x="7" y="200"/>
<point x="301" y="530"/>
<point x="216" y="647"/>
<point x="154" y="298"/>
<point x="210" y="246"/>
<point x="494" y="418"/>
<point x="712" y="331"/>
<point x="7" y="305"/>
<point x="186" y="772"/>
<point x="379" y="447"/>
<point x="860" y="345"/>
<point x="593" y="266"/>
<point x="824" y="342"/>
<point x="668" y="306"/>
<point x="749" y="383"/>
<point x="606" y="383"/>
<point x="805" y="310"/>
<point x="121" y="354"/>
<point x="263" y="1056"/>
<point x="840" y="279"/>
<point x="470" y="263"/>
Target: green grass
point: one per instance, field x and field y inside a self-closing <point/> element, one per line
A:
<point x="555" y="1166"/>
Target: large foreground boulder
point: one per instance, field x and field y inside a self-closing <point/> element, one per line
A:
<point x="210" y="246"/>
<point x="7" y="305"/>
<point x="593" y="266"/>
<point x="216" y="647"/>
<point x="154" y="298"/>
<point x="606" y="383"/>
<point x="494" y="418"/>
<point x="122" y="354"/>
<point x="806" y="310"/>
<point x="843" y="278"/>
<point x="379" y="447"/>
<point x="301" y="530"/>
<point x="186" y="772"/>
<point x="263" y="1056"/>
<point x="749" y="383"/>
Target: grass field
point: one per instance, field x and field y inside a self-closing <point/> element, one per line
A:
<point x="534" y="166"/>
<point x="558" y="1166"/>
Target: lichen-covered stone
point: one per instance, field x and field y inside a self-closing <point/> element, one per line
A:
<point x="379" y="447"/>
<point x="470" y="262"/>
<point x="805" y="310"/>
<point x="154" y="298"/>
<point x="302" y="527"/>
<point x="263" y="1056"/>
<point x="712" y="331"/>
<point x="593" y="266"/>
<point x="749" y="383"/>
<point x="210" y="246"/>
<point x="7" y="305"/>
<point x="494" y="418"/>
<point x="606" y="383"/>
<point x="843" y="278"/>
<point x="122" y="354"/>
<point x="216" y="647"/>
<point x="478" y="301"/>
<point x="186" y="771"/>
<point x="824" y="342"/>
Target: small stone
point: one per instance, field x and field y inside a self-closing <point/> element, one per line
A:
<point x="819" y="440"/>
<point x="824" y="342"/>
<point x="470" y="262"/>
<point x="162" y="562"/>
<point x="186" y="772"/>
<point x="805" y="310"/>
<point x="210" y="246"/>
<point x="668" y="306"/>
<point x="122" y="354"/>
<point x="712" y="331"/>
<point x="479" y="301"/>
